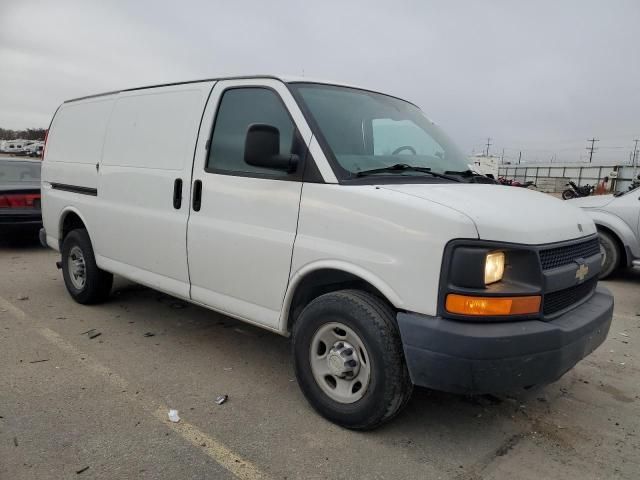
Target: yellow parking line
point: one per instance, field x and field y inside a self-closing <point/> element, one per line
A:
<point x="222" y="455"/>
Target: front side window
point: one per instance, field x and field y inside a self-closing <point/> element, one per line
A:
<point x="367" y="131"/>
<point x="239" y="108"/>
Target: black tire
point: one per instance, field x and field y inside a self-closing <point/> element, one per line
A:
<point x="373" y="321"/>
<point x="97" y="285"/>
<point x="567" y="194"/>
<point x="611" y="260"/>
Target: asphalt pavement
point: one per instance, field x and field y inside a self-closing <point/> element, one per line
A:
<point x="85" y="393"/>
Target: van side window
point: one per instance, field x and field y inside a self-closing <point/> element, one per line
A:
<point x="239" y="108"/>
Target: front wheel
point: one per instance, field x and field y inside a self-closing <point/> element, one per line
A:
<point x="349" y="360"/>
<point x="568" y="193"/>
<point x="610" y="254"/>
<point x="85" y="282"/>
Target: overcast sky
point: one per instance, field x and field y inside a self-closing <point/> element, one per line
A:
<point x="536" y="76"/>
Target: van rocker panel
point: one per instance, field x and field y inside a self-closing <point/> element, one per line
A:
<point x="477" y="358"/>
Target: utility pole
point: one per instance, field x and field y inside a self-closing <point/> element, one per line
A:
<point x="634" y="158"/>
<point x="591" y="148"/>
<point x="502" y="157"/>
<point x="519" y="157"/>
<point x="486" y="153"/>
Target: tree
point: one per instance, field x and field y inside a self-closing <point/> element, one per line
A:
<point x="28" y="134"/>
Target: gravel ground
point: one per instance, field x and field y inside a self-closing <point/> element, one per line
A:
<point x="72" y="406"/>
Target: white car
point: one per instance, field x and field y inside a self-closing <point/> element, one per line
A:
<point x="340" y="216"/>
<point x="617" y="218"/>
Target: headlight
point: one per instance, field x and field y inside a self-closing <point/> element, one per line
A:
<point x="476" y="285"/>
<point x="493" y="267"/>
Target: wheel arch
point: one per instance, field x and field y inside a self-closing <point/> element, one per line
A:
<point x="319" y="278"/>
<point x="70" y="219"/>
<point x="624" y="258"/>
<point x="621" y="232"/>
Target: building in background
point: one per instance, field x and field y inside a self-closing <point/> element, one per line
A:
<point x="486" y="165"/>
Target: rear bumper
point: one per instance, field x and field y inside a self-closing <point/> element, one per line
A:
<point x="466" y="357"/>
<point x="21" y="218"/>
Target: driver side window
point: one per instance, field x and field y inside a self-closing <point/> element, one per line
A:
<point x="240" y="108"/>
<point x="402" y="137"/>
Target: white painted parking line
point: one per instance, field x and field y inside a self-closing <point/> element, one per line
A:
<point x="216" y="450"/>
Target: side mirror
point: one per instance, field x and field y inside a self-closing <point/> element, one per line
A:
<point x="262" y="149"/>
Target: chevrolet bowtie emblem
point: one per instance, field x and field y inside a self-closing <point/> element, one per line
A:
<point x="582" y="272"/>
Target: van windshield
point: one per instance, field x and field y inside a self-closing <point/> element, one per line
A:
<point x="367" y="131"/>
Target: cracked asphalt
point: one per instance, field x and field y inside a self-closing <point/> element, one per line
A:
<point x="72" y="406"/>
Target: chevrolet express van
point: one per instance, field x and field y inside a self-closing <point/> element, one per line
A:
<point x="337" y="215"/>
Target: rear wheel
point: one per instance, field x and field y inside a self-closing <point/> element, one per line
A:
<point x="85" y="282"/>
<point x="349" y="360"/>
<point x="567" y="194"/>
<point x="610" y="254"/>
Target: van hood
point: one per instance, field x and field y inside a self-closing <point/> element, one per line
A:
<point x="593" y="201"/>
<point x="507" y="214"/>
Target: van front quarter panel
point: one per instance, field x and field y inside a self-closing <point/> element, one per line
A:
<point x="397" y="239"/>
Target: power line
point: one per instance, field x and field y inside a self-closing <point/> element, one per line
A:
<point x="591" y="148"/>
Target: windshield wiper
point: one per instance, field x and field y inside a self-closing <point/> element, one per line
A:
<point x="403" y="167"/>
<point x="472" y="176"/>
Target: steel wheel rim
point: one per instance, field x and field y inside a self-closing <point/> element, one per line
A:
<point x="77" y="267"/>
<point x="334" y="349"/>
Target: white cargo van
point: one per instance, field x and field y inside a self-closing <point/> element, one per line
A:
<point x="340" y="216"/>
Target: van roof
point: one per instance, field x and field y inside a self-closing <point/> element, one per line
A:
<point x="282" y="78"/>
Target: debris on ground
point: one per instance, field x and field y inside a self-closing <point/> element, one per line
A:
<point x="623" y="334"/>
<point x="23" y="297"/>
<point x="221" y="399"/>
<point x="149" y="334"/>
<point x="39" y="361"/>
<point x="228" y="369"/>
<point x="93" y="333"/>
<point x="173" y="416"/>
<point x="15" y="441"/>
<point x="82" y="470"/>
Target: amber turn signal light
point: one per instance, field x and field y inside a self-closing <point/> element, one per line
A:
<point x="491" y="306"/>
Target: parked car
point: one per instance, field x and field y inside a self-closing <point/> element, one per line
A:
<point x="336" y="215"/>
<point x="616" y="217"/>
<point x="20" y="197"/>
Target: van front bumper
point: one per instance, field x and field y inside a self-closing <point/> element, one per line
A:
<point x="476" y="357"/>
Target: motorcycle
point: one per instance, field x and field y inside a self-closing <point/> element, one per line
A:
<point x="574" y="191"/>
<point x="515" y="183"/>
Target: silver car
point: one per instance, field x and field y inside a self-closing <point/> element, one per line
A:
<point x="617" y="218"/>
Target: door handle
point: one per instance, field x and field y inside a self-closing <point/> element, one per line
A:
<point x="197" y="195"/>
<point x="177" y="193"/>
